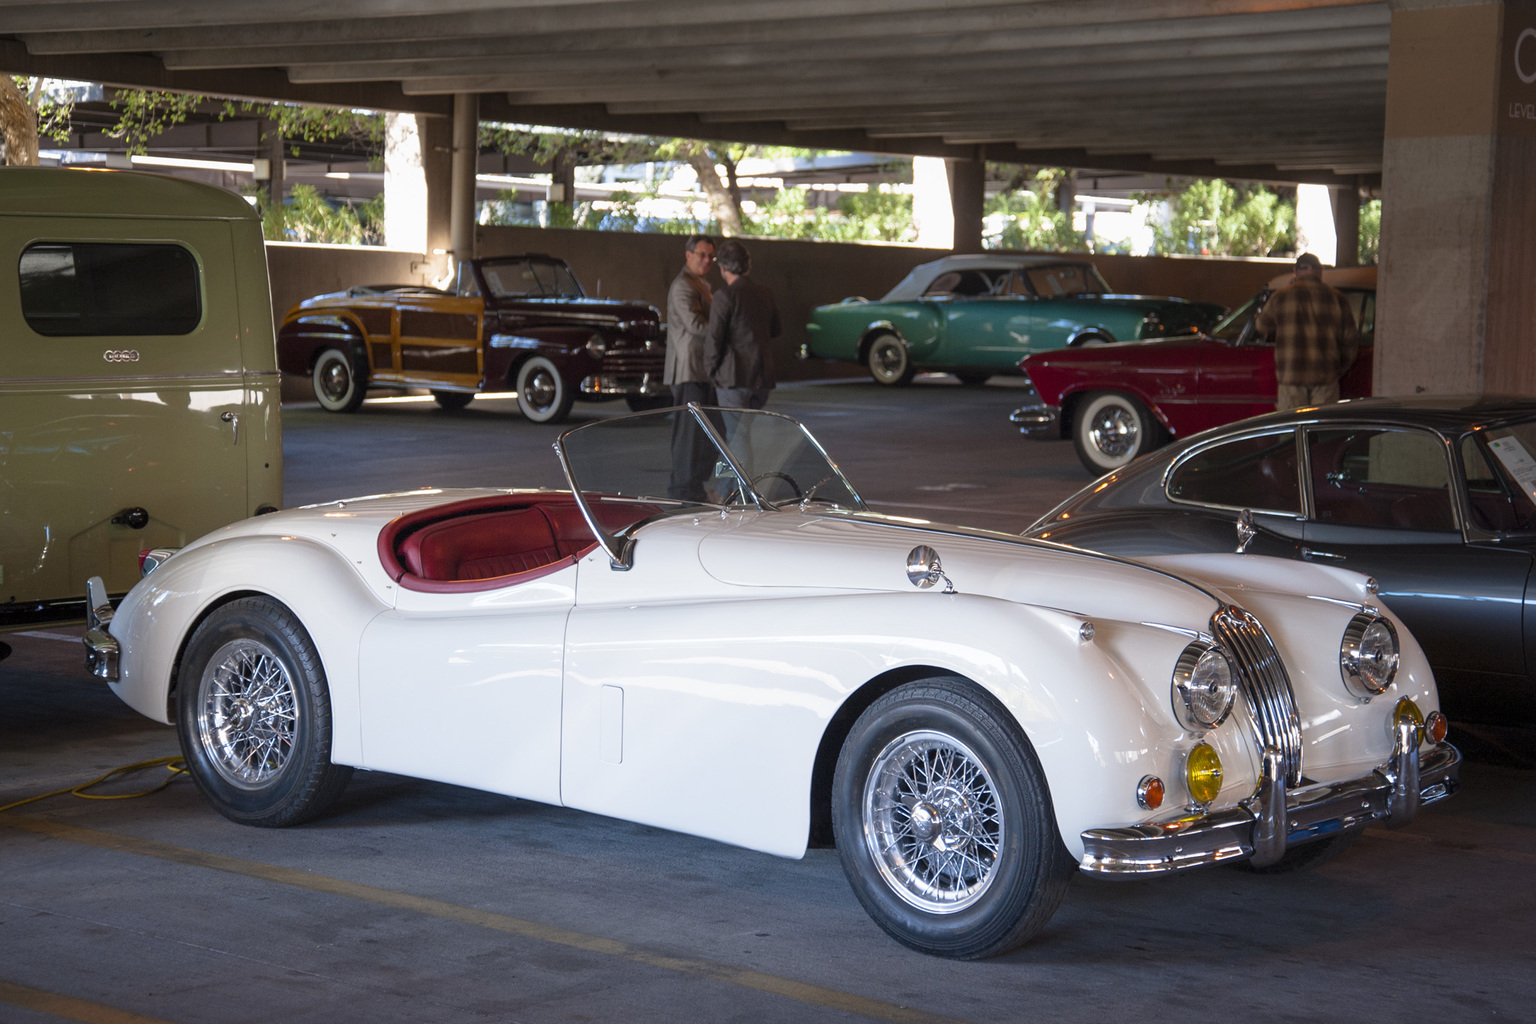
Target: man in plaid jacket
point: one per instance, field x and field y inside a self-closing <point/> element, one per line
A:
<point x="1316" y="338"/>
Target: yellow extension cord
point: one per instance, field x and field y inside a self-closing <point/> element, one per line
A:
<point x="175" y="765"/>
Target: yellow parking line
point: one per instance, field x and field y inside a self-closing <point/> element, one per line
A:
<point x="68" y="1007"/>
<point x="814" y="995"/>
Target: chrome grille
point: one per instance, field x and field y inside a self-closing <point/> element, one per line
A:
<point x="633" y="361"/>
<point x="1261" y="676"/>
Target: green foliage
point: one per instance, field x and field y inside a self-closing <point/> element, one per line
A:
<point x="307" y="217"/>
<point x="1031" y="219"/>
<point x="858" y="217"/>
<point x="145" y="113"/>
<point x="52" y="108"/>
<point x="1215" y="217"/>
<point x="1370" y="231"/>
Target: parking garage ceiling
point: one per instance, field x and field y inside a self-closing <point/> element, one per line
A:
<point x="1281" y="90"/>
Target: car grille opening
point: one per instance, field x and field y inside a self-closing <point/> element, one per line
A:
<point x="1262" y="679"/>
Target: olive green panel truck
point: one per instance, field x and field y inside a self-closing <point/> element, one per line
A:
<point x="138" y="378"/>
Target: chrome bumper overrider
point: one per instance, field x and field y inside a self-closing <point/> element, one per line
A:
<point x="1262" y="827"/>
<point x="1041" y="422"/>
<point x="101" y="647"/>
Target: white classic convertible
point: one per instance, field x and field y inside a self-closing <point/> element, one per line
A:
<point x="711" y="633"/>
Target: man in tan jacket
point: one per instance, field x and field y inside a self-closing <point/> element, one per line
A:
<point x="686" y="370"/>
<point x="688" y="302"/>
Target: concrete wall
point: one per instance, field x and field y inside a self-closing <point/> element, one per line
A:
<point x="803" y="275"/>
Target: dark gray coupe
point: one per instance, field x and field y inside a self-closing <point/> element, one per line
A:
<point x="1434" y="497"/>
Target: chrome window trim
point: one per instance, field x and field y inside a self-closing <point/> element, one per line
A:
<point x="1216" y="442"/>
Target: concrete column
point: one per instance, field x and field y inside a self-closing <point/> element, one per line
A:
<point x="967" y="195"/>
<point x="1346" y="226"/>
<point x="466" y="155"/>
<point x="437" y="168"/>
<point x="1455" y="312"/>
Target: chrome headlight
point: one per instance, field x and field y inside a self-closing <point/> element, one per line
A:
<point x="1368" y="654"/>
<point x="596" y="346"/>
<point x="1204" y="686"/>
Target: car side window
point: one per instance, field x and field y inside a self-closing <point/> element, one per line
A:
<point x="1256" y="473"/>
<point x="1380" y="478"/>
<point x="961" y="282"/>
<point x="1492" y="505"/>
<point x="96" y="289"/>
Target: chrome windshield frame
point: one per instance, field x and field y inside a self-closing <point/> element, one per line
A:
<point x="620" y="549"/>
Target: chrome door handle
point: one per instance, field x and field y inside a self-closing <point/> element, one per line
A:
<point x="1310" y="554"/>
<point x="234" y="425"/>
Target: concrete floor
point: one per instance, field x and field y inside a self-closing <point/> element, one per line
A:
<point x="423" y="902"/>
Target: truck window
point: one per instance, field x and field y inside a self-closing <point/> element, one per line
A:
<point x="73" y="289"/>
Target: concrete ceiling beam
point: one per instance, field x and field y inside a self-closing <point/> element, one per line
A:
<point x="1192" y="90"/>
<point x="54" y="27"/>
<point x="1172" y="39"/>
<point x="767" y="66"/>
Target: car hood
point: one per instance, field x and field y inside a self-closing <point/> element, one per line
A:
<point x="857" y="552"/>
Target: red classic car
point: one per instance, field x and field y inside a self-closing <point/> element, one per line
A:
<point x="1119" y="401"/>
<point x="514" y="323"/>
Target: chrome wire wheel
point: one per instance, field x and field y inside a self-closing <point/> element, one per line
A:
<point x="933" y="821"/>
<point x="1114" y="430"/>
<point x="249" y="713"/>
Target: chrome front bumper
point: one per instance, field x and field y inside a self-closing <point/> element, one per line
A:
<point x="1261" y="828"/>
<point x="1038" y="422"/>
<point x="606" y="384"/>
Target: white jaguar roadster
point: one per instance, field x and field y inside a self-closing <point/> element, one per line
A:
<point x="711" y="633"/>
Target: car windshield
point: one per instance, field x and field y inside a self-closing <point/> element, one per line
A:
<point x="522" y="277"/>
<point x="1231" y="326"/>
<point x="1362" y="303"/>
<point x="690" y="457"/>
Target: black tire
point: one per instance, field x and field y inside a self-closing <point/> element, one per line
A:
<point x="973" y="378"/>
<point x="1305" y="857"/>
<point x="254" y="716"/>
<point x="645" y="403"/>
<point x="340" y="383"/>
<point x="888" y="361"/>
<point x="1092" y="339"/>
<point x="543" y="395"/>
<point x="1109" y="429"/>
<point x="453" y="401"/>
<point x="1012" y="871"/>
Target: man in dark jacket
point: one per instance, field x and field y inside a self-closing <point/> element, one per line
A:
<point x="743" y="321"/>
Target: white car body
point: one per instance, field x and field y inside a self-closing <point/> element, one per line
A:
<point x="699" y="690"/>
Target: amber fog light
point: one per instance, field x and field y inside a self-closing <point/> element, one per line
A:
<point x="1436" y="726"/>
<point x="1407" y="711"/>
<point x="1202" y="773"/>
<point x="1149" y="794"/>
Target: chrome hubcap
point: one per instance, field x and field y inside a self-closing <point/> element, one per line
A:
<point x="932" y="821"/>
<point x="335" y="379"/>
<point x="247" y="713"/>
<point x="1114" y="432"/>
<point x="540" y="390"/>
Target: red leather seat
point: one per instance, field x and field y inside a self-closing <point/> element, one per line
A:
<point x="483" y="546"/>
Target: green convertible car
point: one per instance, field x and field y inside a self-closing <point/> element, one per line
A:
<point x="975" y="316"/>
